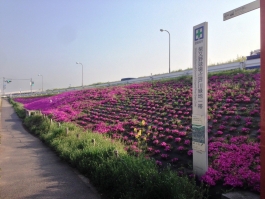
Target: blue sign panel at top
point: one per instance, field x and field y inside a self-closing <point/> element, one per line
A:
<point x="199" y="33"/>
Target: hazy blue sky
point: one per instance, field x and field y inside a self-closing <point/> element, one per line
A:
<point x="113" y="39"/>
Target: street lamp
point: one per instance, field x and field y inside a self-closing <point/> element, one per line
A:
<point x="82" y="71"/>
<point x="41" y="81"/>
<point x="169" y="46"/>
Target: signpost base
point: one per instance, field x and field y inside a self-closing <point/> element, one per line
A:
<point x="200" y="162"/>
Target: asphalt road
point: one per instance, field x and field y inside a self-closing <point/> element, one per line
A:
<point x="30" y="170"/>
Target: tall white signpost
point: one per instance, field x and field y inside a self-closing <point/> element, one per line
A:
<point x="199" y="99"/>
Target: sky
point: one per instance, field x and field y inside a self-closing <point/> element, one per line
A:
<point x="113" y="39"/>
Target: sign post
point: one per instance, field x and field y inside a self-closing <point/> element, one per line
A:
<point x="228" y="15"/>
<point x="199" y="99"/>
<point x="262" y="98"/>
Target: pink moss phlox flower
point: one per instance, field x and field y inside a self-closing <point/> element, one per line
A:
<point x="187" y="128"/>
<point x="227" y="117"/>
<point x="167" y="148"/>
<point x="237" y="117"/>
<point x="222" y="127"/>
<point x="132" y="134"/>
<point x="133" y="147"/>
<point x="219" y="116"/>
<point x="150" y="149"/>
<point x="187" y="142"/>
<point x="170" y="137"/>
<point x="174" y="126"/>
<point x="102" y="128"/>
<point x="229" y="100"/>
<point x="164" y="156"/>
<point x="175" y="131"/>
<point x="180" y="148"/>
<point x="211" y="176"/>
<point x="245" y="130"/>
<point x="167" y="130"/>
<point x="158" y="163"/>
<point x="117" y="127"/>
<point x="232" y="129"/>
<point x="156" y="142"/>
<point x="248" y="119"/>
<point x="163" y="144"/>
<point x="174" y="160"/>
<point x="157" y="151"/>
<point x="160" y="128"/>
<point x="182" y="133"/>
<point x="154" y="137"/>
<point x="248" y="123"/>
<point x="190" y="152"/>
<point x="125" y="138"/>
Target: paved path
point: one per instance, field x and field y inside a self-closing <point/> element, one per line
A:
<point x="30" y="170"/>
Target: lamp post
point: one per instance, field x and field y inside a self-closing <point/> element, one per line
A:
<point x="41" y="81"/>
<point x="82" y="71"/>
<point x="169" y="46"/>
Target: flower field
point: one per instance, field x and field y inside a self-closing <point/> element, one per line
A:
<point x="155" y="118"/>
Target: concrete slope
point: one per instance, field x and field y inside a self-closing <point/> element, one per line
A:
<point x="29" y="169"/>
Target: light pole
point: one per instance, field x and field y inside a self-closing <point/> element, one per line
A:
<point x="41" y="81"/>
<point x="4" y="87"/>
<point x="169" y="46"/>
<point x="82" y="71"/>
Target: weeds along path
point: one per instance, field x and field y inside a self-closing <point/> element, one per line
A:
<point x="31" y="170"/>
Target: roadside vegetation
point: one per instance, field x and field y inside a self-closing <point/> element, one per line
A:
<point x="111" y="169"/>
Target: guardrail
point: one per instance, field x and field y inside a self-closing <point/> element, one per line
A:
<point x="253" y="63"/>
<point x="248" y="64"/>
